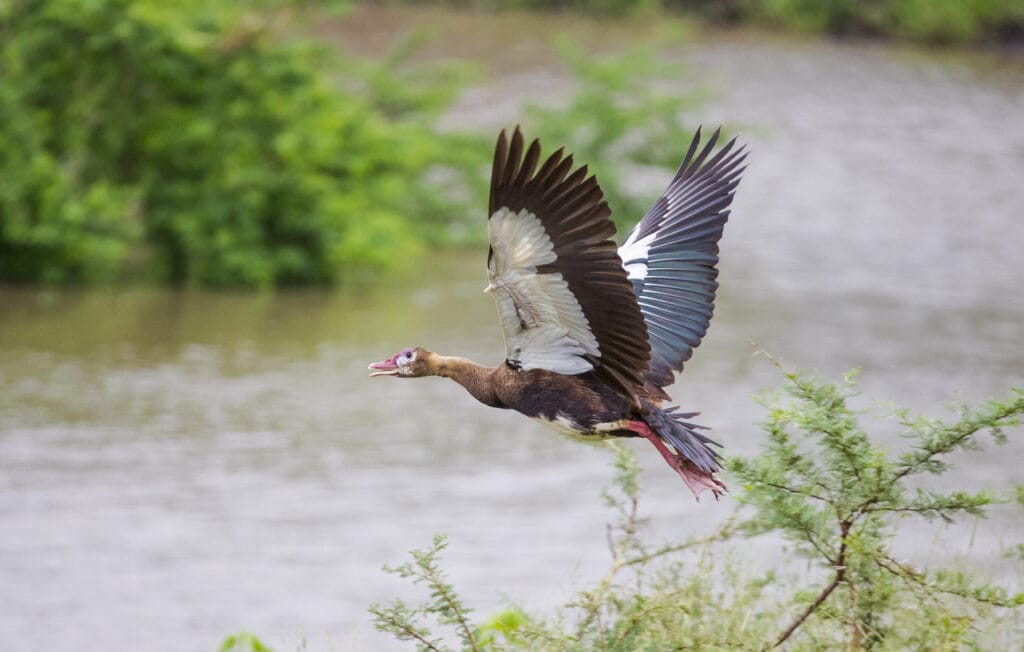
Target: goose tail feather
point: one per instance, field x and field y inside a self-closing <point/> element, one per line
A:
<point x="692" y="454"/>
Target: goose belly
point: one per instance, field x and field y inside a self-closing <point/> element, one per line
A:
<point x="563" y="424"/>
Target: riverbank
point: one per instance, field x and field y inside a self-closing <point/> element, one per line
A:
<point x="934" y="22"/>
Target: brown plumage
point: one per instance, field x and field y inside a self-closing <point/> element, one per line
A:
<point x="576" y="218"/>
<point x="593" y="333"/>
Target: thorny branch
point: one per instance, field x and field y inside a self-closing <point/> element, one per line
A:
<point x="840" y="566"/>
<point x="402" y="626"/>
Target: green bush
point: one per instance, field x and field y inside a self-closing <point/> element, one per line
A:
<point x="613" y="7"/>
<point x="243" y="642"/>
<point x="188" y="142"/>
<point x="822" y="486"/>
<point x="930" y="21"/>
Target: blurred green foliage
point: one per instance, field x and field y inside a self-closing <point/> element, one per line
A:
<point x="189" y="142"/>
<point x="244" y="642"/>
<point x="621" y="117"/>
<point x="929" y="21"/>
<point x="618" y="7"/>
<point x="201" y="143"/>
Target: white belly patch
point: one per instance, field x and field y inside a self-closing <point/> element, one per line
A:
<point x="563" y="425"/>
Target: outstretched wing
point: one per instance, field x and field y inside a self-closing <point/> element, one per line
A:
<point x="564" y="300"/>
<point x="671" y="254"/>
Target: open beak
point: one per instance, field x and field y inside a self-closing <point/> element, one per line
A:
<point x="384" y="368"/>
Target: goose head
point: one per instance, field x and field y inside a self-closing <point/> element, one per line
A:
<point x="407" y="363"/>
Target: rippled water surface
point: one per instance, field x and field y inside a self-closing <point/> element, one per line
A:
<point x="179" y="465"/>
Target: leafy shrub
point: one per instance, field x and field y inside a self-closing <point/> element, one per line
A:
<point x="192" y="145"/>
<point x="822" y="485"/>
<point x="930" y="21"/>
<point x="613" y="7"/>
<point x="243" y="642"/>
<point x="933" y="21"/>
<point x="186" y="142"/>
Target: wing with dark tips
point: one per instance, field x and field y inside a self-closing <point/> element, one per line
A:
<point x="671" y="255"/>
<point x="563" y="297"/>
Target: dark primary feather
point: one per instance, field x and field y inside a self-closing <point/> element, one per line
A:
<point x="574" y="215"/>
<point x="677" y="295"/>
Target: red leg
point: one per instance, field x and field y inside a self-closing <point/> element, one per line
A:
<point x="696" y="479"/>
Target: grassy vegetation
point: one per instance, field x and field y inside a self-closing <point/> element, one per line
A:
<point x="822" y="485"/>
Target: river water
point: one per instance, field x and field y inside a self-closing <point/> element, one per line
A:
<point x="178" y="465"/>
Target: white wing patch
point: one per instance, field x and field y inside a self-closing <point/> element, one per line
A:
<point x="633" y="253"/>
<point x="543" y="324"/>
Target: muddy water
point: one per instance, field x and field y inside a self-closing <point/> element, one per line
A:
<point x="179" y="465"/>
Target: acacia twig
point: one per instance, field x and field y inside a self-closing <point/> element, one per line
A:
<point x="724" y="531"/>
<point x="840" y="566"/>
<point x="407" y="630"/>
